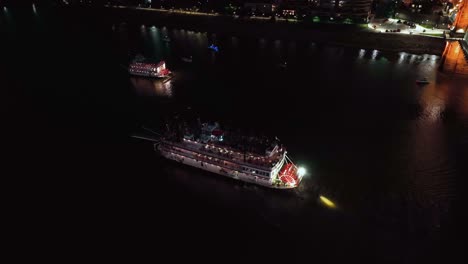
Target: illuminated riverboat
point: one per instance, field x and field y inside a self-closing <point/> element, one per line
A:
<point x="261" y="162"/>
<point x="158" y="70"/>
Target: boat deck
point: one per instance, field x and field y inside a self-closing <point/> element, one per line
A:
<point x="235" y="155"/>
<point x="266" y="164"/>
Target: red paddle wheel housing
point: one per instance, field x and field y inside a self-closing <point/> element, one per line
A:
<point x="288" y="174"/>
<point x="217" y="132"/>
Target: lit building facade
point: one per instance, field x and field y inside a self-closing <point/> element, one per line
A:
<point x="358" y="9"/>
<point x="265" y="7"/>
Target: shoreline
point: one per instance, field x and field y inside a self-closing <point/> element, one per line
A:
<point x="345" y="35"/>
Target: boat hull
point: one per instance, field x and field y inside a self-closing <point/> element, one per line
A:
<point x="219" y="170"/>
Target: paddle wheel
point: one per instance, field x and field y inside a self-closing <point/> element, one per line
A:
<point x="161" y="69"/>
<point x="288" y="174"/>
<point x="164" y="72"/>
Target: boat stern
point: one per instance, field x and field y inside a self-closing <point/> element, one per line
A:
<point x="289" y="176"/>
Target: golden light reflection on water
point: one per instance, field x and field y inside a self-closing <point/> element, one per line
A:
<point x="433" y="99"/>
<point x="327" y="202"/>
<point x="431" y="165"/>
<point x="152" y="87"/>
<point x="446" y="92"/>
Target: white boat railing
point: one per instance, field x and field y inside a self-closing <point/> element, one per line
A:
<point x="214" y="161"/>
<point x="200" y="149"/>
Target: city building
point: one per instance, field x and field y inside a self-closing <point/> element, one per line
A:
<point x="416" y="6"/>
<point x="266" y="7"/>
<point x="358" y="10"/>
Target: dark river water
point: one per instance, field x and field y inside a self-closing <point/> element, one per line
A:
<point x="389" y="153"/>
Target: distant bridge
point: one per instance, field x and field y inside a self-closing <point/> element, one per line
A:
<point x="455" y="56"/>
<point x="461" y="20"/>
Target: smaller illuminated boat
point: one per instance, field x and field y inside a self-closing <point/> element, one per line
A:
<point x="214" y="48"/>
<point x="158" y="70"/>
<point x="422" y="81"/>
<point x="186" y="59"/>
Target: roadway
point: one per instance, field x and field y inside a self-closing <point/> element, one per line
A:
<point x="381" y="25"/>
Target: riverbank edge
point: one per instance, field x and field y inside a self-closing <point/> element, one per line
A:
<point x="344" y="35"/>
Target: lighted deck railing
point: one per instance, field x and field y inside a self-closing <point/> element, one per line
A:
<point x="199" y="157"/>
<point x="201" y="150"/>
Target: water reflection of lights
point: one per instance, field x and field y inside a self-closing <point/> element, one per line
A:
<point x="433" y="59"/>
<point x="34" y="8"/>
<point x="402" y="57"/>
<point x="152" y="87"/>
<point x="433" y="99"/>
<point x="374" y="54"/>
<point x="327" y="202"/>
<point x="362" y="52"/>
<point x="434" y="112"/>
<point x="163" y="88"/>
